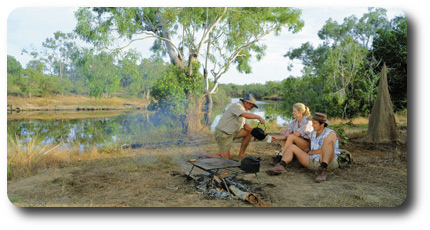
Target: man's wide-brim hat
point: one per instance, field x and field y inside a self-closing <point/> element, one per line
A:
<point x="321" y="117"/>
<point x="249" y="98"/>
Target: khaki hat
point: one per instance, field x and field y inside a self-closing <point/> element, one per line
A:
<point x="321" y="117"/>
<point x="249" y="98"/>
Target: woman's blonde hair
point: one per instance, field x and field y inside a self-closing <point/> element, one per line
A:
<point x="302" y="108"/>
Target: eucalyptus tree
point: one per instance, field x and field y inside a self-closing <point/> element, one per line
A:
<point x="344" y="63"/>
<point x="14" y="70"/>
<point x="390" y="46"/>
<point x="101" y="74"/>
<point x="217" y="37"/>
<point x="56" y="53"/>
<point x="129" y="70"/>
<point x="59" y="50"/>
<point x="150" y="69"/>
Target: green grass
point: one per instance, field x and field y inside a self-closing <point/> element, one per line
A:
<point x="14" y="199"/>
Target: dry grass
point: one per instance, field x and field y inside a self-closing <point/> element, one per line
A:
<point x="154" y="177"/>
<point x="62" y="115"/>
<point x="72" y="102"/>
<point x="401" y="119"/>
<point x="27" y="158"/>
<point x="23" y="159"/>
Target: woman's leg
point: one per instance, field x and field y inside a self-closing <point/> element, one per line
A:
<point x="301" y="155"/>
<point x="300" y="142"/>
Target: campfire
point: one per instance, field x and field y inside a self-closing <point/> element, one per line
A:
<point x="219" y="186"/>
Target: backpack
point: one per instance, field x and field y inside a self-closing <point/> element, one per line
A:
<point x="344" y="159"/>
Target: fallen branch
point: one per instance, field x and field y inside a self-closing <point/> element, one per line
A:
<point x="248" y="196"/>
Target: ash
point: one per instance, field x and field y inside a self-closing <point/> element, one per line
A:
<point x="218" y="187"/>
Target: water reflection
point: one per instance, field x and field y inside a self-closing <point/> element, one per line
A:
<point x="126" y="128"/>
<point x="93" y="132"/>
<point x="268" y="110"/>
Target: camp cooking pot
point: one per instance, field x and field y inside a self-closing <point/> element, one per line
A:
<point x="250" y="164"/>
<point x="259" y="132"/>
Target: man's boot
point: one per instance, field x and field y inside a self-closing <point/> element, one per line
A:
<point x="322" y="176"/>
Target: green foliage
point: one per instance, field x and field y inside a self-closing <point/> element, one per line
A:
<point x="174" y="92"/>
<point x="257" y="90"/>
<point x="100" y="72"/>
<point x="340" y="130"/>
<point x="13" y="66"/>
<point x="14" y="70"/>
<point x="233" y="34"/>
<point x="131" y="80"/>
<point x="149" y="71"/>
<point x="340" y="76"/>
<point x="390" y="46"/>
<point x="222" y="97"/>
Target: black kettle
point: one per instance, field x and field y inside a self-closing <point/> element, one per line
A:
<point x="250" y="164"/>
<point x="259" y="133"/>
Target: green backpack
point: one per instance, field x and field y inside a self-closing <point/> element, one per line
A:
<point x="344" y="159"/>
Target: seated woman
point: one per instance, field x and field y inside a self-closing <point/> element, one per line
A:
<point x="322" y="155"/>
<point x="298" y="132"/>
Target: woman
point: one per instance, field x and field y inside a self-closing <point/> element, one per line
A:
<point x="299" y="130"/>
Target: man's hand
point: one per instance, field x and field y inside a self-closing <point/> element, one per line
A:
<point x="262" y="121"/>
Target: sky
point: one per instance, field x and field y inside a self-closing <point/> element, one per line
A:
<point x="28" y="28"/>
<point x="413" y="214"/>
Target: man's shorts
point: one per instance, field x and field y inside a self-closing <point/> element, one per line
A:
<point x="314" y="164"/>
<point x="224" y="140"/>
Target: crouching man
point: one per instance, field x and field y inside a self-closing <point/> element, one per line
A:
<point x="324" y="149"/>
<point x="232" y="125"/>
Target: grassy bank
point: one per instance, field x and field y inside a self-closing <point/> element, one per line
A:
<point x="27" y="158"/>
<point x="48" y="176"/>
<point x="74" y="102"/>
<point x="156" y="177"/>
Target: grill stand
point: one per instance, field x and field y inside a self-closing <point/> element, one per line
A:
<point x="213" y="165"/>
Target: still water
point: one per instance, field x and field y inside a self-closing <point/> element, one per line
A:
<point x="267" y="110"/>
<point x="114" y="129"/>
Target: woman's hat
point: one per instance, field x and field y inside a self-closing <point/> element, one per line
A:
<point x="321" y="117"/>
<point x="249" y="98"/>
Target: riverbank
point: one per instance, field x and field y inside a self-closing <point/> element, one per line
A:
<point x="156" y="177"/>
<point x="74" y="103"/>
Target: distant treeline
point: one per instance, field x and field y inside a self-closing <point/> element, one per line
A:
<point x="340" y="76"/>
<point x="86" y="73"/>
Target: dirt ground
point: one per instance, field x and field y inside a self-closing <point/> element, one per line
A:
<point x="156" y="177"/>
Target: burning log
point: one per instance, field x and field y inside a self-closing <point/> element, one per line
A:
<point x="248" y="196"/>
<point x="226" y="188"/>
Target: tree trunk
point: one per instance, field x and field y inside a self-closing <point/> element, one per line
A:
<point x="185" y="122"/>
<point x="174" y="57"/>
<point x="208" y="108"/>
<point x="148" y="92"/>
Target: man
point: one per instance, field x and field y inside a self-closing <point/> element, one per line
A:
<point x="232" y="126"/>
<point x="323" y="153"/>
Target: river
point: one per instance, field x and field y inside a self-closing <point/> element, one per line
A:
<point x="88" y="130"/>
